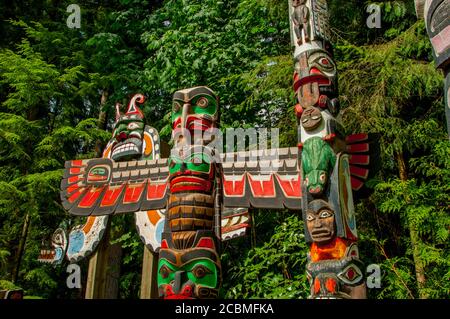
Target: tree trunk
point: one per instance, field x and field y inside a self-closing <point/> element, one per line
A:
<point x="414" y="235"/>
<point x="31" y="115"/>
<point x="23" y="239"/>
<point x="253" y="227"/>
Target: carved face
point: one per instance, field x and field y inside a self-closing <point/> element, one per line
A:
<point x="311" y="118"/>
<point x="59" y="243"/>
<point x="315" y="75"/>
<point x="195" y="109"/>
<point x="128" y="132"/>
<point x="320" y="221"/>
<point x="191" y="172"/>
<point x="189" y="273"/>
<point x="318" y="159"/>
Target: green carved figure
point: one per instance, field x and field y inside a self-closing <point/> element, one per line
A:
<point x="318" y="160"/>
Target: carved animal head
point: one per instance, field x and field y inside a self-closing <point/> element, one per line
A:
<point x="191" y="170"/>
<point x="315" y="78"/>
<point x="318" y="160"/>
<point x="128" y="134"/>
<point x="194" y="111"/>
<point x="189" y="273"/>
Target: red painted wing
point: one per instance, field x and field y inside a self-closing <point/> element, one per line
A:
<point x="259" y="180"/>
<point x="102" y="187"/>
<point x="363" y="150"/>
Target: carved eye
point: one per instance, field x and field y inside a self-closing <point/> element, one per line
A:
<point x="310" y="217"/>
<point x="200" y="271"/>
<point x="323" y="177"/>
<point x="325" y="214"/>
<point x="164" y="271"/>
<point x="133" y="126"/>
<point x="315" y="117"/>
<point x="202" y="102"/>
<point x="324" y="61"/>
<point x="176" y="107"/>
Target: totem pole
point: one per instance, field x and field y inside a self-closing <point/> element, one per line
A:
<point x="176" y="201"/>
<point x="189" y="263"/>
<point x="333" y="268"/>
<point x="131" y="139"/>
<point x="437" y="19"/>
<point x="206" y="193"/>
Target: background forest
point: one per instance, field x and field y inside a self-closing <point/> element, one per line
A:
<point x="58" y="87"/>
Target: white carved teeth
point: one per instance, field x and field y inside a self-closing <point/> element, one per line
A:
<point x="126" y="147"/>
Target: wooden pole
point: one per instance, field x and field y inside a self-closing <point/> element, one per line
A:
<point x="104" y="270"/>
<point x="149" y="285"/>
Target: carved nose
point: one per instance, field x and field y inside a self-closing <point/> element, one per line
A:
<point x="314" y="190"/>
<point x="121" y="137"/>
<point x="184" y="115"/>
<point x="317" y="223"/>
<point x="180" y="278"/>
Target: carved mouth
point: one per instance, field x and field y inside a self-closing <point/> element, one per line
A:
<point x="315" y="189"/>
<point x="128" y="148"/>
<point x="314" y="78"/>
<point x="194" y="123"/>
<point x="321" y="233"/>
<point x="189" y="184"/>
<point x="198" y="124"/>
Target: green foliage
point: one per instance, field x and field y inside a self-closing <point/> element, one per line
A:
<point x="7" y="285"/>
<point x="191" y="43"/>
<point x="273" y="270"/>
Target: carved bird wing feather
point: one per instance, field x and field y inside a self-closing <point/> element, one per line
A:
<point x="262" y="179"/>
<point x="103" y="187"/>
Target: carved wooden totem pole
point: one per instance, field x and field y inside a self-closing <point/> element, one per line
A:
<point x="131" y="140"/>
<point x="200" y="196"/>
<point x="334" y="268"/>
<point x="437" y="19"/>
<point x="189" y="264"/>
<point x="176" y="201"/>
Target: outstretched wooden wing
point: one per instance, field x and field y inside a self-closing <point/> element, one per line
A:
<point x="102" y="187"/>
<point x="262" y="179"/>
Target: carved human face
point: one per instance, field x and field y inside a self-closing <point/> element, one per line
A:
<point x="189" y="273"/>
<point x="311" y="118"/>
<point x="192" y="171"/>
<point x="320" y="221"/>
<point x="195" y="110"/>
<point x="127" y="138"/>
